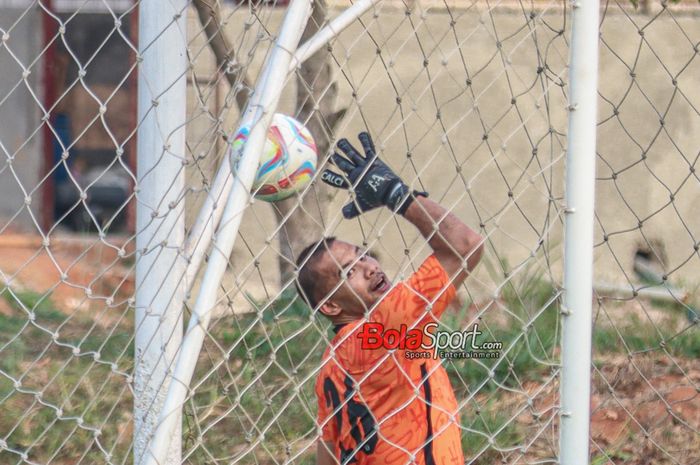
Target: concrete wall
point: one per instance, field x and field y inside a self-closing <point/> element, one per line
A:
<point x="647" y="150"/>
<point x="474" y="174"/>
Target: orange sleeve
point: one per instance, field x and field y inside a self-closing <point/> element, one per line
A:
<point x="420" y="299"/>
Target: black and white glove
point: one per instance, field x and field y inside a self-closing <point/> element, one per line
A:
<point x="374" y="183"/>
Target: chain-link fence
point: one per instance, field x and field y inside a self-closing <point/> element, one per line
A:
<point x="645" y="379"/>
<point x="465" y="100"/>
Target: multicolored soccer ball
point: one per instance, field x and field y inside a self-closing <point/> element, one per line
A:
<point x="288" y="161"/>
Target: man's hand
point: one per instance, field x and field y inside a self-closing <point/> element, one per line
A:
<point x="375" y="184"/>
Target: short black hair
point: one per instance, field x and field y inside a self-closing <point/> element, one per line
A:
<point x="308" y="279"/>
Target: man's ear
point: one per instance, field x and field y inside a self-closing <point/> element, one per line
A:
<point x="330" y="308"/>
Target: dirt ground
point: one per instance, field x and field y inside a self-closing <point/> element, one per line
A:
<point x="643" y="412"/>
<point x="79" y="273"/>
<point x="647" y="410"/>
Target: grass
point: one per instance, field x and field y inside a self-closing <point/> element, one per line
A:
<point x="529" y="335"/>
<point x="488" y="430"/>
<point x="53" y="399"/>
<point x="255" y="378"/>
<point x="611" y="456"/>
<point x="673" y="334"/>
<point x="265" y="393"/>
<point x="637" y="337"/>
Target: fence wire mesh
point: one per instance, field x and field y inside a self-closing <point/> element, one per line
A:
<point x="464" y="99"/>
<point x="645" y="371"/>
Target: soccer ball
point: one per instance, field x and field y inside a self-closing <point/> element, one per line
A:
<point x="288" y="161"/>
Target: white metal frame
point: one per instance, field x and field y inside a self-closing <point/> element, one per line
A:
<point x="160" y="219"/>
<point x="259" y="113"/>
<point x="578" y="245"/>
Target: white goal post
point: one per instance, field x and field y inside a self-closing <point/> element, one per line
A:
<point x="257" y="118"/>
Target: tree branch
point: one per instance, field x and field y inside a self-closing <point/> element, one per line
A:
<point x="316" y="97"/>
<point x="209" y="13"/>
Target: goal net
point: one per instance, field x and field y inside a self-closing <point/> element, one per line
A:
<point x="466" y="100"/>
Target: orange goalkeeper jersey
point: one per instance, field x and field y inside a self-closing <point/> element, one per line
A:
<point x="379" y="407"/>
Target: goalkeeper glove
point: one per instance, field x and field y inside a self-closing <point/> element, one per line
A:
<point x="375" y="184"/>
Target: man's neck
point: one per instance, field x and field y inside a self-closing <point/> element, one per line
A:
<point x="344" y="319"/>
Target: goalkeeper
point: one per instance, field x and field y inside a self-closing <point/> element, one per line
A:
<point x="377" y="406"/>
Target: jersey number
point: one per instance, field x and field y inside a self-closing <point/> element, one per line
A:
<point x="362" y="425"/>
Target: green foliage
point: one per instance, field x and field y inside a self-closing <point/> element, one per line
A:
<point x="486" y="430"/>
<point x="27" y="302"/>
<point x="529" y="335"/>
<point x="611" y="457"/>
<point x="635" y="336"/>
<point x="267" y="385"/>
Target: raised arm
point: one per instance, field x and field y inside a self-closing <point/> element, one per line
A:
<point x="457" y="247"/>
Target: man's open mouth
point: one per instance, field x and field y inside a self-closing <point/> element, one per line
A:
<point x="382" y="285"/>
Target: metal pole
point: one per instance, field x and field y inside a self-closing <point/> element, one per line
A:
<point x="162" y="91"/>
<point x="210" y="214"/>
<point x="329" y="31"/>
<point x="268" y="89"/>
<point x="578" y="247"/>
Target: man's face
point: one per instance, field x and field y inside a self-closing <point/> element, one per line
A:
<point x="362" y="281"/>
